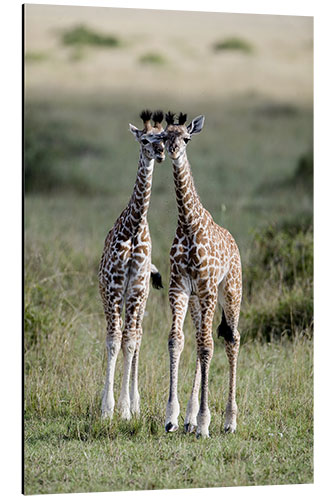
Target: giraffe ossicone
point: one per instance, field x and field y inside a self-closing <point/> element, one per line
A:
<point x="124" y="273"/>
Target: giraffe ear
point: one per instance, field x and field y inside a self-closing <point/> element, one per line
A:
<point x="135" y="131"/>
<point x="196" y="125"/>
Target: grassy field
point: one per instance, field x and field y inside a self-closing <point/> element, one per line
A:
<point x="252" y="166"/>
<point x="67" y="448"/>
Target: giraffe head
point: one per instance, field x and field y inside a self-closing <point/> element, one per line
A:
<point x="177" y="135"/>
<point x="151" y="150"/>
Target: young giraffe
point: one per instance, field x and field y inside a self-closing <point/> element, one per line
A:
<point x="124" y="273"/>
<point x="205" y="267"/>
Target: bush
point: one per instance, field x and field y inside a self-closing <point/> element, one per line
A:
<point x="279" y="281"/>
<point x="35" y="57"/>
<point x="233" y="43"/>
<point x="45" y="146"/>
<point x="304" y="170"/>
<point x="284" y="254"/>
<point x="152" y="58"/>
<point x="292" y="312"/>
<point x="81" y="35"/>
<point x="37" y="323"/>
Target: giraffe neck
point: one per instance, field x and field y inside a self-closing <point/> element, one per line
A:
<point x="139" y="202"/>
<point x="190" y="209"/>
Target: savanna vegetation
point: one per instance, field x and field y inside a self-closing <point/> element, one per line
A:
<point x="80" y="169"/>
<point x="253" y="170"/>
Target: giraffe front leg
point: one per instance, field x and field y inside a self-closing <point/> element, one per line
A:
<point x="178" y="302"/>
<point x="134" y="395"/>
<point x="113" y="343"/>
<point x="205" y="356"/>
<point x="192" y="408"/>
<point x="205" y="346"/>
<point x="129" y="344"/>
<point x="172" y="410"/>
<point x="113" y="303"/>
<point x="128" y="348"/>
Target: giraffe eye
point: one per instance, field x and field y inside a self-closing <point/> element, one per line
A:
<point x="144" y="141"/>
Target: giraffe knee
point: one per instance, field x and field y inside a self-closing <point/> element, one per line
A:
<point x="129" y="346"/>
<point x="113" y="344"/>
<point x="175" y="344"/>
<point x="205" y="353"/>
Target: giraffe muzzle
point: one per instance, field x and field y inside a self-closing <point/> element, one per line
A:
<point x="160" y="156"/>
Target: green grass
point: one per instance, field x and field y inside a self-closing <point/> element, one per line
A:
<point x="244" y="165"/>
<point x="273" y="443"/>
<point x="53" y="153"/>
<point x="35" y="57"/>
<point x="233" y="44"/>
<point x="153" y="58"/>
<point x="279" y="281"/>
<point x="82" y="35"/>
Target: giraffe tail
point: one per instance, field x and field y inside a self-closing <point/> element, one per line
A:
<point x="224" y="330"/>
<point x="156" y="277"/>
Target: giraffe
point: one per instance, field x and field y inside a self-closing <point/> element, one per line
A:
<point x="124" y="272"/>
<point x="205" y="268"/>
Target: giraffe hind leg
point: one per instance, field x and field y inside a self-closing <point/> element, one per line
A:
<point x="230" y="299"/>
<point x="231" y="408"/>
<point x="224" y="330"/>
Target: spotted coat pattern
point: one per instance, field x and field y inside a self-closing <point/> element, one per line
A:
<point x="124" y="273"/>
<point x="205" y="267"/>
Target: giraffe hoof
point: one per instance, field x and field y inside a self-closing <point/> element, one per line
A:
<point x="229" y="429"/>
<point x="170" y="427"/>
<point x="189" y="428"/>
<point x="125" y="414"/>
<point x="106" y="415"/>
<point x="204" y="436"/>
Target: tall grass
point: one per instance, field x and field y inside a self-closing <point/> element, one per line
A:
<point x="279" y="281"/>
<point x="51" y="154"/>
<point x="67" y="447"/>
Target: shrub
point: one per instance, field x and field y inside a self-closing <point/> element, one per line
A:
<point x="81" y="35"/>
<point x="234" y="44"/>
<point x="279" y="281"/>
<point x="284" y="254"/>
<point x="304" y="169"/>
<point x="152" y="58"/>
<point x="35" y="57"/>
<point x="37" y="322"/>
<point x="46" y="144"/>
<point x="291" y="312"/>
